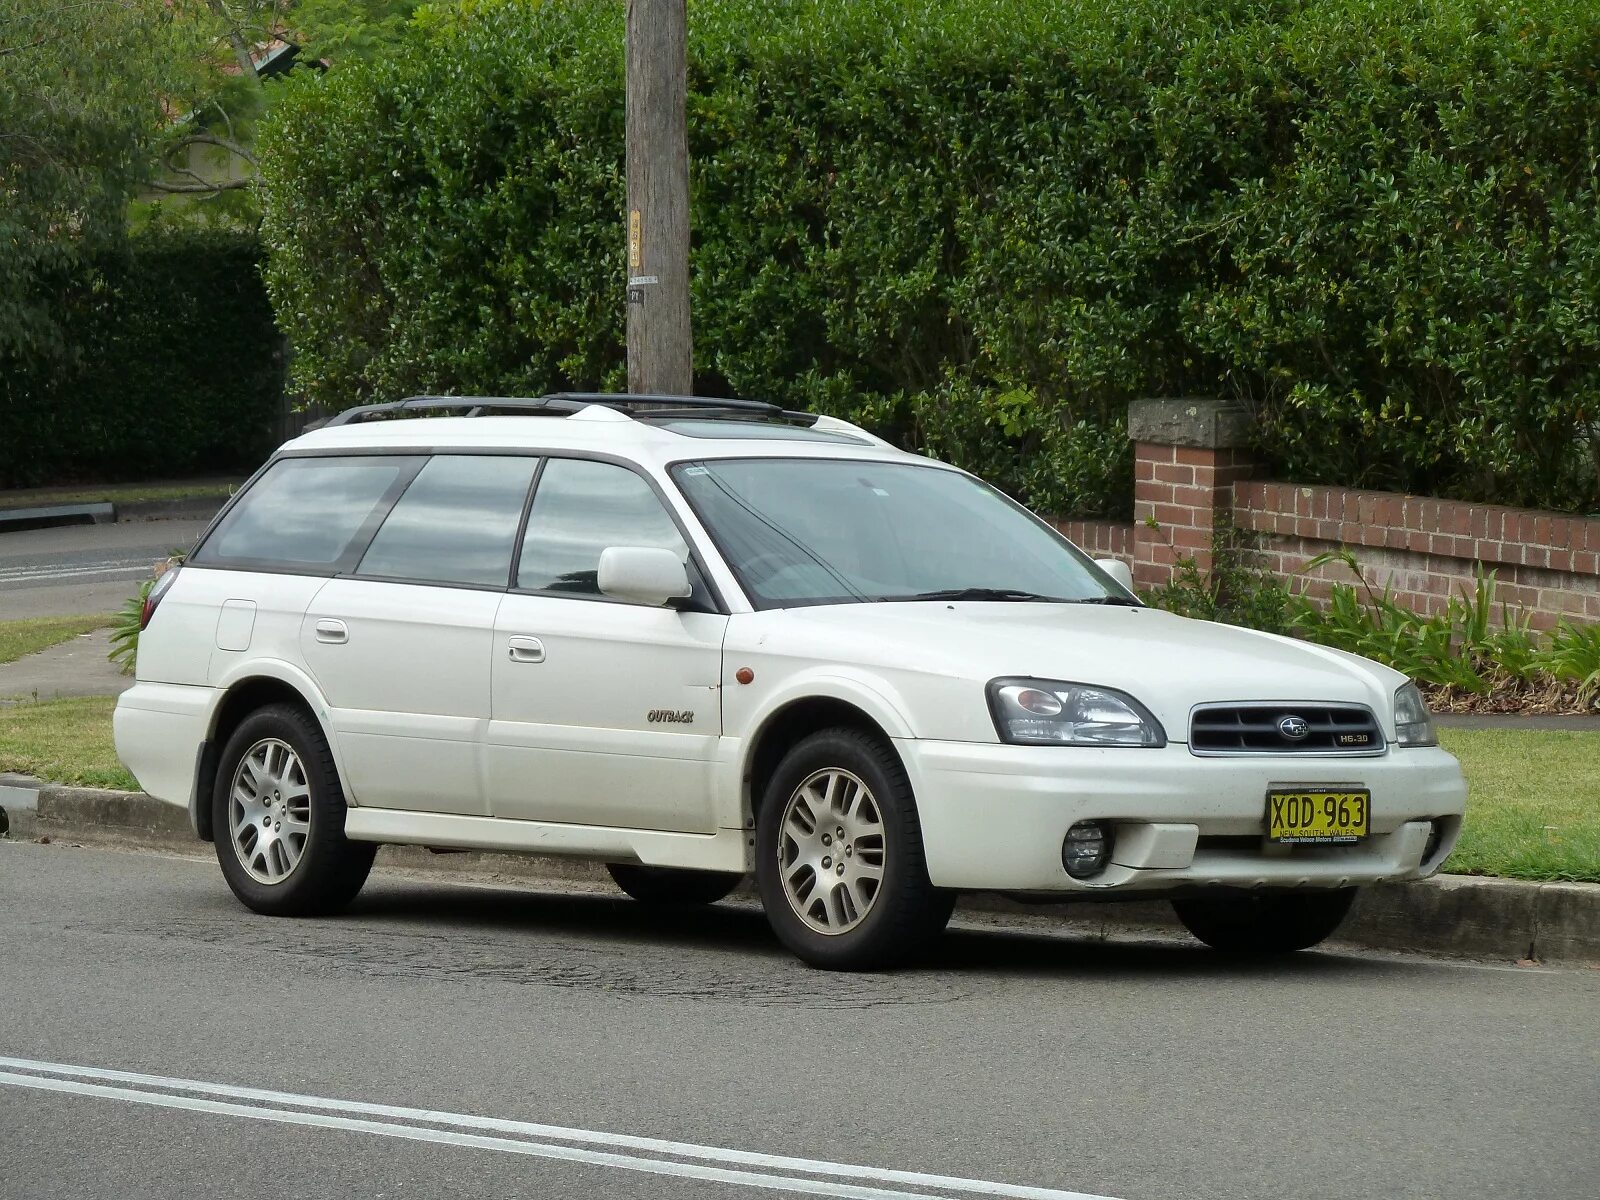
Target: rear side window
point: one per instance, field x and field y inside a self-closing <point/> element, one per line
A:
<point x="581" y="508"/>
<point x="456" y="523"/>
<point x="307" y="513"/>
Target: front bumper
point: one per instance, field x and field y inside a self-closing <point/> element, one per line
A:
<point x="993" y="816"/>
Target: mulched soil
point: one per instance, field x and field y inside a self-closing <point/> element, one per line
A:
<point x="1512" y="697"/>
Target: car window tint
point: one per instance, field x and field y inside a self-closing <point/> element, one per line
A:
<point x="305" y="512"/>
<point x="456" y="523"/>
<point x="580" y="509"/>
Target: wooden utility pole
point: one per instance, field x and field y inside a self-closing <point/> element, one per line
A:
<point x="660" y="346"/>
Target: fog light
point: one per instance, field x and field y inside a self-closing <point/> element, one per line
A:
<point x="1086" y="849"/>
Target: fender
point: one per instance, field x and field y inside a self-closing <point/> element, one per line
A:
<point x="862" y="689"/>
<point x="865" y="690"/>
<point x="300" y="681"/>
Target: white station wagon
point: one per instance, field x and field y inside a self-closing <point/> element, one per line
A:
<point x="698" y="639"/>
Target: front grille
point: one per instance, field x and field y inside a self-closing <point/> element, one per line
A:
<point x="1269" y="729"/>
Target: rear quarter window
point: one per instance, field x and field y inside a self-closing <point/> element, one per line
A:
<point x="456" y="523"/>
<point x="308" y="513"/>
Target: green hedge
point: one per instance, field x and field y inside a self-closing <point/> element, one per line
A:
<point x="985" y="225"/>
<point x="173" y="367"/>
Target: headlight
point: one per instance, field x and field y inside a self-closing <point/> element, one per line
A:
<point x="1412" y="725"/>
<point x="1045" y="712"/>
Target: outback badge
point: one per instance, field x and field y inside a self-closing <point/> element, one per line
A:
<point x="671" y="716"/>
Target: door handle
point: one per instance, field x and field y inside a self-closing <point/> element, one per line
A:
<point x="527" y="650"/>
<point x="333" y="632"/>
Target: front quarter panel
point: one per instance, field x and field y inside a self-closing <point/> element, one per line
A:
<point x="909" y="695"/>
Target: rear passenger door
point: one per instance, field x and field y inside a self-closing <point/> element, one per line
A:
<point x="401" y="644"/>
<point x="604" y="712"/>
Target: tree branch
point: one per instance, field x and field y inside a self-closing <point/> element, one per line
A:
<point x="200" y="183"/>
<point x="38" y="41"/>
<point x="205" y="185"/>
<point x="208" y="139"/>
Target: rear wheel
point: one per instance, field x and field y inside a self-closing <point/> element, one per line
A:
<point x="1264" y="922"/>
<point x="672" y="886"/>
<point x="839" y="858"/>
<point x="278" y="815"/>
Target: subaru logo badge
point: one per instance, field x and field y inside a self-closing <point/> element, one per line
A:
<point x="1294" y="728"/>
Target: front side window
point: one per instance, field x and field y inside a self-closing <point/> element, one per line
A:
<point x="581" y="508"/>
<point x="837" y="531"/>
<point x="307" y="513"/>
<point x="456" y="523"/>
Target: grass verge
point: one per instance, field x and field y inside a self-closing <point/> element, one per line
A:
<point x="1533" y="812"/>
<point x="64" y="741"/>
<point x="1533" y="804"/>
<point x="21" y="638"/>
<point x="118" y="493"/>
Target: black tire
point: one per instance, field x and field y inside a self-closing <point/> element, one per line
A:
<point x="1264" y="922"/>
<point x="330" y="869"/>
<point x="906" y="912"/>
<point x="672" y="887"/>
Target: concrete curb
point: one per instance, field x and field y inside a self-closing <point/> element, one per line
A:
<point x="189" y="508"/>
<point x="49" y="516"/>
<point x="1455" y="915"/>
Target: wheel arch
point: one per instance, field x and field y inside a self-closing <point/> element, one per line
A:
<point x="798" y="717"/>
<point x="251" y="688"/>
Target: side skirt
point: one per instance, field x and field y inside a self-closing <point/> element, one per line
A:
<point x="725" y="850"/>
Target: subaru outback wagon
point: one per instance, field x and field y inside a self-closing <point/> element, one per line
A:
<point x="700" y="639"/>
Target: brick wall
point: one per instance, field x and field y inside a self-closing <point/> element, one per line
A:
<point x="1179" y="493"/>
<point x="1100" y="539"/>
<point x="1427" y="549"/>
<point x="1192" y="473"/>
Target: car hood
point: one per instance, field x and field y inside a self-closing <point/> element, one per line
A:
<point x="1169" y="663"/>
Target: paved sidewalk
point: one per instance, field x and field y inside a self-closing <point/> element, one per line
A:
<point x="74" y="668"/>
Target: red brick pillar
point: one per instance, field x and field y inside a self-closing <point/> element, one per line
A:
<point x="1187" y="455"/>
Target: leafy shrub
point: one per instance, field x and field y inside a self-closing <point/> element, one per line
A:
<point x="125" y="621"/>
<point x="1237" y="589"/>
<point x="982" y="226"/>
<point x="1573" y="655"/>
<point x="125" y="631"/>
<point x="1466" y="654"/>
<point x="1475" y="654"/>
<point x="173" y="368"/>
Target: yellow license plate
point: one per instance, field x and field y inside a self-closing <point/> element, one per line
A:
<point x="1316" y="816"/>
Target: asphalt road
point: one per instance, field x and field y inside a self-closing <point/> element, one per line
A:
<point x="83" y="569"/>
<point x="1126" y="1069"/>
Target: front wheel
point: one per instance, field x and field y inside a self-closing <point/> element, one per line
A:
<point x="671" y="886"/>
<point x="1264" y="922"/>
<point x="278" y="818"/>
<point x="839" y="860"/>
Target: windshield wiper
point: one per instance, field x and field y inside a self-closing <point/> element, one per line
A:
<point x="1014" y="595"/>
<point x="1123" y="600"/>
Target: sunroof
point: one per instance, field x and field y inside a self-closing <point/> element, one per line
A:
<point x="758" y="431"/>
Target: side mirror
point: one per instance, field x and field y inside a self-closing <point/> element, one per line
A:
<point x="643" y="574"/>
<point x="1118" y="570"/>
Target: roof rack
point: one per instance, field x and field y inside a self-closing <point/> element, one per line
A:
<point x="566" y="403"/>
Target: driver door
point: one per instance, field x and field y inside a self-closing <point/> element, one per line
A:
<point x="603" y="712"/>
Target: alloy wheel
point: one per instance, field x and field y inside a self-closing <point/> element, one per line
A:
<point x="269" y="811"/>
<point x="831" y="851"/>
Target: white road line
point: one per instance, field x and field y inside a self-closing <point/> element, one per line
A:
<point x="33" y="568"/>
<point x="67" y="1078"/>
<point x="38" y="575"/>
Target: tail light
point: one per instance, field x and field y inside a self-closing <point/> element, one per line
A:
<point x="160" y="588"/>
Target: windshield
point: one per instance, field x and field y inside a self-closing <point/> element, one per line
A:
<point x="835" y="531"/>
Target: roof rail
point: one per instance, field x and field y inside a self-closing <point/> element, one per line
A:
<point x="565" y="403"/>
